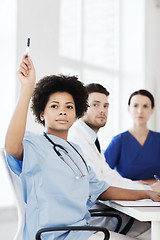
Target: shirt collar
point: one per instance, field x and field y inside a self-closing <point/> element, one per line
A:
<point x="92" y="133"/>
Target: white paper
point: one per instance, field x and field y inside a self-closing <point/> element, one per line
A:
<point x="138" y="203"/>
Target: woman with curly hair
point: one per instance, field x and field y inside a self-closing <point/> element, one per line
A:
<point x="58" y="185"/>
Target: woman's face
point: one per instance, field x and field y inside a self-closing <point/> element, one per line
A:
<point x="140" y="109"/>
<point x="59" y="113"/>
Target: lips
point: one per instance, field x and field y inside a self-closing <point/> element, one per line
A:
<point x="101" y="118"/>
<point x="61" y="121"/>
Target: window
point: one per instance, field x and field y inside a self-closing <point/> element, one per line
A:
<point x="89" y="47"/>
<point x="7" y="63"/>
<point x="8" y="86"/>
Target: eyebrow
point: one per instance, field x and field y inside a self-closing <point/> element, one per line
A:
<point x="143" y="103"/>
<point x="96" y="101"/>
<point x="65" y="103"/>
<point x="69" y="103"/>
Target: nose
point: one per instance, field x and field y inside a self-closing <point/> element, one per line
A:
<point x="103" y="109"/>
<point x="62" y="113"/>
<point x="139" y="110"/>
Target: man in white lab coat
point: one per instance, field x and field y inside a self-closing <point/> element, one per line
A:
<point x="84" y="133"/>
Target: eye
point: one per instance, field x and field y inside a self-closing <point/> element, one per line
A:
<point x="106" y="106"/>
<point x="95" y="105"/>
<point x="146" y="106"/>
<point x="54" y="106"/>
<point x="135" y="105"/>
<point x="70" y="107"/>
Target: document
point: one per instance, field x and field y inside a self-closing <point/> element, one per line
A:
<point x="138" y="203"/>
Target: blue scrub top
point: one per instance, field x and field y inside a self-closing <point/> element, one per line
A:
<point x="53" y="195"/>
<point x="132" y="160"/>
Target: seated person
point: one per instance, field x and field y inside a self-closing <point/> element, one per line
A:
<point x="58" y="185"/>
<point x="135" y="153"/>
<point x="84" y="133"/>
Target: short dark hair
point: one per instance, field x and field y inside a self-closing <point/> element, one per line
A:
<point x="144" y="93"/>
<point x="58" y="83"/>
<point x="96" y="87"/>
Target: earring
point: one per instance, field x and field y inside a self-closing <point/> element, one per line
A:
<point x="42" y="118"/>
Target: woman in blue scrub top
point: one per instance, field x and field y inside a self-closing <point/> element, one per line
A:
<point x="136" y="153"/>
<point x="57" y="184"/>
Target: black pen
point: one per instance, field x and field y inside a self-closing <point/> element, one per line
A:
<point x="27" y="47"/>
<point x="157" y="178"/>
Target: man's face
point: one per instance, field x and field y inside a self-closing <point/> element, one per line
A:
<point x="96" y="115"/>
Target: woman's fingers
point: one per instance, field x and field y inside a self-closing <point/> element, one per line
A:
<point x="25" y="65"/>
<point x="22" y="72"/>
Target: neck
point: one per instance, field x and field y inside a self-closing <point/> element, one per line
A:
<point x="139" y="130"/>
<point x="60" y="134"/>
<point x="94" y="128"/>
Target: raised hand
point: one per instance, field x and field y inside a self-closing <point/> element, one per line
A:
<point x="26" y="72"/>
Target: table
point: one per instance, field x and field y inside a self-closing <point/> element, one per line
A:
<point x="151" y="214"/>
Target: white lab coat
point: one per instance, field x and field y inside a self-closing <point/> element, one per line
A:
<point x="78" y="134"/>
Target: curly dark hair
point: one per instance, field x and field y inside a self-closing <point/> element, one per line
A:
<point x="58" y="83"/>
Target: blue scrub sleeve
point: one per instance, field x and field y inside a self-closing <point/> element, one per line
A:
<point x="14" y="164"/>
<point x="96" y="187"/>
<point x="113" y="152"/>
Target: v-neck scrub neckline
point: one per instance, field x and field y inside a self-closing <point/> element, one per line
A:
<point x="131" y="159"/>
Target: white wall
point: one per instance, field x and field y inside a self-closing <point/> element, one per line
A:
<point x="7" y="89"/>
<point x="51" y="54"/>
<point x="152" y="58"/>
<point x="139" y="55"/>
<point x="139" y="48"/>
<point x="39" y="20"/>
<point x="7" y="63"/>
<point x="132" y="52"/>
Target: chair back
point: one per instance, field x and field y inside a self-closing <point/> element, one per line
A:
<point x="17" y="189"/>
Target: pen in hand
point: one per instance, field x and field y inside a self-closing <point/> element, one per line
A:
<point x="157" y="178"/>
<point x="27" y="47"/>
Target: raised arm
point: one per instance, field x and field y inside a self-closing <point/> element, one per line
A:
<point x="16" y="129"/>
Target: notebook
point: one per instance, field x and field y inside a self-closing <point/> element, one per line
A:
<point x="138" y="203"/>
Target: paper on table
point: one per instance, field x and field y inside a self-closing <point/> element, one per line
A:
<point x="138" y="203"/>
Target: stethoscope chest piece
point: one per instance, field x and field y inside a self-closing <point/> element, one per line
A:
<point x="78" y="177"/>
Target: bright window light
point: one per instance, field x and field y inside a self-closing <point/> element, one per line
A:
<point x="8" y="86"/>
<point x="7" y="63"/>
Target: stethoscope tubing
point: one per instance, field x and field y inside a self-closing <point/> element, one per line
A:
<point x="60" y="155"/>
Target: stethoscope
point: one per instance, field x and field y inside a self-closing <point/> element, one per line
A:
<point x="79" y="174"/>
